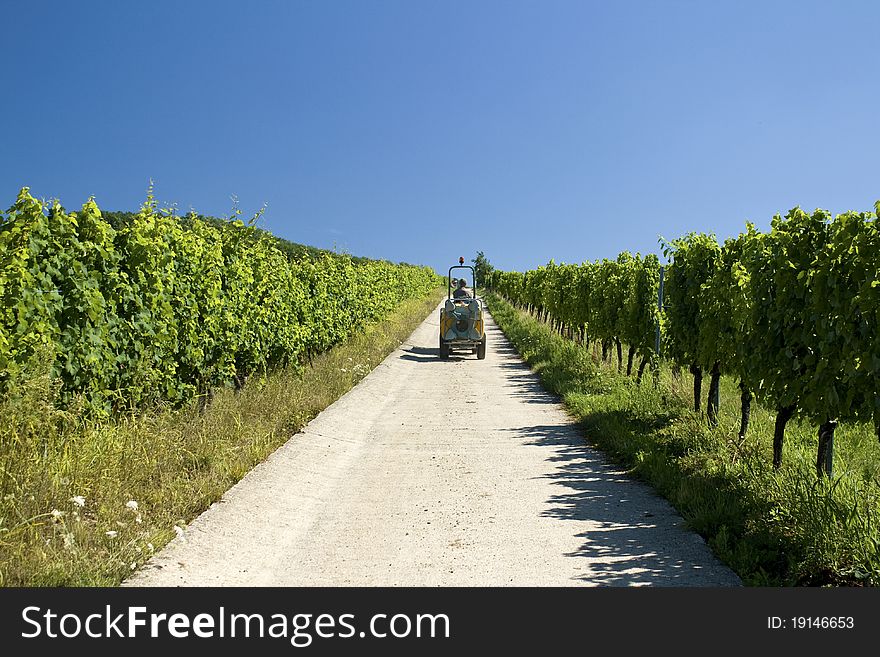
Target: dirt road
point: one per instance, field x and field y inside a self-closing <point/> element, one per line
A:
<point x="434" y="472"/>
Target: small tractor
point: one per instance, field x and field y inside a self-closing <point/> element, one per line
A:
<point x="461" y="319"/>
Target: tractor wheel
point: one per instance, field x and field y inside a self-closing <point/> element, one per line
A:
<point x="444" y="349"/>
<point x="481" y="349"/>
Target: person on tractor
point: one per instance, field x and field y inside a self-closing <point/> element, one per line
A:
<point x="462" y="292"/>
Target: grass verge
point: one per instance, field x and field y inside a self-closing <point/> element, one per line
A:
<point x="85" y="503"/>
<point x="774" y="528"/>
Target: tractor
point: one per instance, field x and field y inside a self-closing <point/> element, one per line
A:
<point x="462" y="327"/>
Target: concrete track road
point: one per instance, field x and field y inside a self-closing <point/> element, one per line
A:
<point x="433" y="472"/>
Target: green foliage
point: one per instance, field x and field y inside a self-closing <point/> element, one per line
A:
<point x="724" y="308"/>
<point x="794" y="313"/>
<point x="813" y="311"/>
<point x="482" y="269"/>
<point x="160" y="308"/>
<point x="292" y="250"/>
<point x="607" y="299"/>
<point x="640" y="311"/>
<point x="688" y="340"/>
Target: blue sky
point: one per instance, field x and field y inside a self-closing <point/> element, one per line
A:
<point x="420" y="131"/>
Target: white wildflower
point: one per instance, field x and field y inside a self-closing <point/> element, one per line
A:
<point x="150" y="547"/>
<point x="138" y="519"/>
<point x="68" y="541"/>
<point x="131" y="504"/>
<point x="133" y="565"/>
<point x="57" y="515"/>
<point x="111" y="533"/>
<point x="79" y="500"/>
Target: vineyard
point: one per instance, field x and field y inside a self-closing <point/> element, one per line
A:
<point x="148" y="361"/>
<point x="161" y="308"/>
<point x="127" y="342"/>
<point x="793" y="314"/>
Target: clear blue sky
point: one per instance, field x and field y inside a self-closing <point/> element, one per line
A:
<point x="420" y="131"/>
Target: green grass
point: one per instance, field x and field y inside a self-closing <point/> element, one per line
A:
<point x="140" y="477"/>
<point x="774" y="528"/>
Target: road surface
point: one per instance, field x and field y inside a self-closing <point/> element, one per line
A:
<point x="432" y="472"/>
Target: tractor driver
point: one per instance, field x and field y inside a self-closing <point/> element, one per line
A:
<point x="462" y="292"/>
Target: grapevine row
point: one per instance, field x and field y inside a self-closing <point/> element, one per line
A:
<point x="163" y="308"/>
<point x="793" y="314"/>
<point x="607" y="302"/>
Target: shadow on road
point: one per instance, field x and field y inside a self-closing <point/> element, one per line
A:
<point x="432" y="355"/>
<point x="631" y="542"/>
<point x="528" y="390"/>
